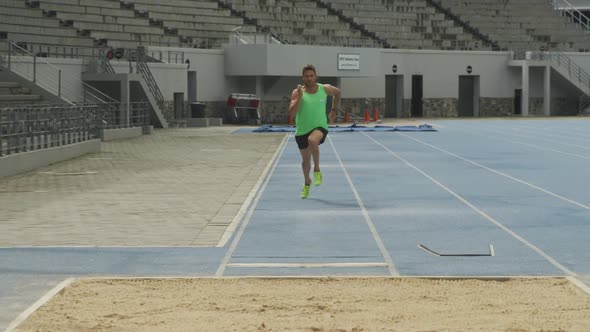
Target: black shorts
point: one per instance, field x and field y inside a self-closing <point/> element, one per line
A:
<point x="302" y="142"/>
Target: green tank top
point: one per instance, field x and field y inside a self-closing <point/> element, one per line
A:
<point x="312" y="112"/>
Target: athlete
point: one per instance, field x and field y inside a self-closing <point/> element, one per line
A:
<point x="308" y="105"/>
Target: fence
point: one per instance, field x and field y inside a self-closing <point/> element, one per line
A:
<point x="35" y="127"/>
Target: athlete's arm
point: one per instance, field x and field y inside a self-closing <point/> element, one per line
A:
<point x="296" y="99"/>
<point x="335" y="93"/>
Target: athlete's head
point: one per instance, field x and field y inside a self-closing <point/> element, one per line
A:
<point x="309" y="74"/>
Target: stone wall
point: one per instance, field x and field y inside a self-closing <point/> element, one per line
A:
<point x="216" y="109"/>
<point x="559" y="106"/>
<point x="168" y="110"/>
<point x="564" y="106"/>
<point x="407" y="108"/>
<point x="536" y="107"/>
<point x="439" y="107"/>
<point x="357" y="107"/>
<point x="493" y="107"/>
<point x="276" y="112"/>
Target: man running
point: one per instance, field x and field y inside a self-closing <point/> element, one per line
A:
<point x="308" y="104"/>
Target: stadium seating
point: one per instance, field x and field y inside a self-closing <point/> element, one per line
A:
<point x="12" y="93"/>
<point x="521" y="25"/>
<point x="25" y="23"/>
<point x="408" y="24"/>
<point x="413" y="24"/>
<point x="201" y="23"/>
<point x="302" y="22"/>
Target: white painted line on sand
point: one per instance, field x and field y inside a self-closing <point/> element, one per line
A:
<point x="306" y="265"/>
<point x="44" y="299"/>
<point x="579" y="284"/>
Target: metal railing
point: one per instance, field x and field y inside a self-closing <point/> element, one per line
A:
<point x="42" y="73"/>
<point x="137" y="115"/>
<point x="35" y="127"/>
<point x="145" y="72"/>
<point x="49" y="77"/>
<point x="239" y="37"/>
<point x="105" y="63"/>
<point x="57" y="52"/>
<point x="26" y="129"/>
<point x="574" y="72"/>
<point x="167" y="56"/>
<point x="574" y="15"/>
<point x="584" y="102"/>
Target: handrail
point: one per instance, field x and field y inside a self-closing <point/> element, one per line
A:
<point x="573" y="69"/>
<point x="54" y="82"/>
<point x="239" y="37"/>
<point x="574" y="14"/>
<point x="146" y="73"/>
<point x="28" y="128"/>
<point x="34" y="127"/>
<point x="46" y="79"/>
<point x="106" y="64"/>
<point x="584" y="102"/>
<point x="574" y="72"/>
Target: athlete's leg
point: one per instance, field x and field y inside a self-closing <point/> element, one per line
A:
<point x="314" y="145"/>
<point x="306" y="164"/>
<point x="315" y="139"/>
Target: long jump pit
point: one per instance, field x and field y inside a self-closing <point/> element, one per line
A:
<point x="312" y="304"/>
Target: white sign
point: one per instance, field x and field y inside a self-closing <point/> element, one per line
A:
<point x="349" y="61"/>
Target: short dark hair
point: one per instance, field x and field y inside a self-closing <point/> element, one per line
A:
<point x="308" y="67"/>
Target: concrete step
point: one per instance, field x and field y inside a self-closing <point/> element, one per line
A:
<point x="13" y="88"/>
<point x="9" y="85"/>
<point x="11" y="98"/>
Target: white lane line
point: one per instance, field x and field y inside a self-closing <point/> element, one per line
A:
<point x="234" y="244"/>
<point x="543" y="130"/>
<point x="500" y="173"/>
<point x="307" y="265"/>
<point x="470" y="132"/>
<point x="378" y="240"/>
<point x="479" y="211"/>
<point x="491" y="252"/>
<point x="244" y="208"/>
<point x="536" y="137"/>
<point x="44" y="299"/>
<point x="579" y="284"/>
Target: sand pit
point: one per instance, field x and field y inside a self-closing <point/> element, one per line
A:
<point x="315" y="304"/>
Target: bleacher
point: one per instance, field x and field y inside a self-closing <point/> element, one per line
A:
<point x="201" y="23"/>
<point x="127" y="24"/>
<point x="107" y="23"/>
<point x="302" y="22"/>
<point x="521" y="25"/>
<point x="24" y="23"/>
<point x="409" y="24"/>
<point x="12" y="93"/>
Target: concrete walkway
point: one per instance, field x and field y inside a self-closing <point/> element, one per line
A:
<point x="177" y="187"/>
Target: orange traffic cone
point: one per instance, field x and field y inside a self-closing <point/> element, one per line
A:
<point x="375" y="114"/>
<point x="290" y="119"/>
<point x="367" y="115"/>
<point x="346" y="117"/>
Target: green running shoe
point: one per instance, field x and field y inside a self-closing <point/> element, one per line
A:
<point x="305" y="191"/>
<point x="317" y="178"/>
